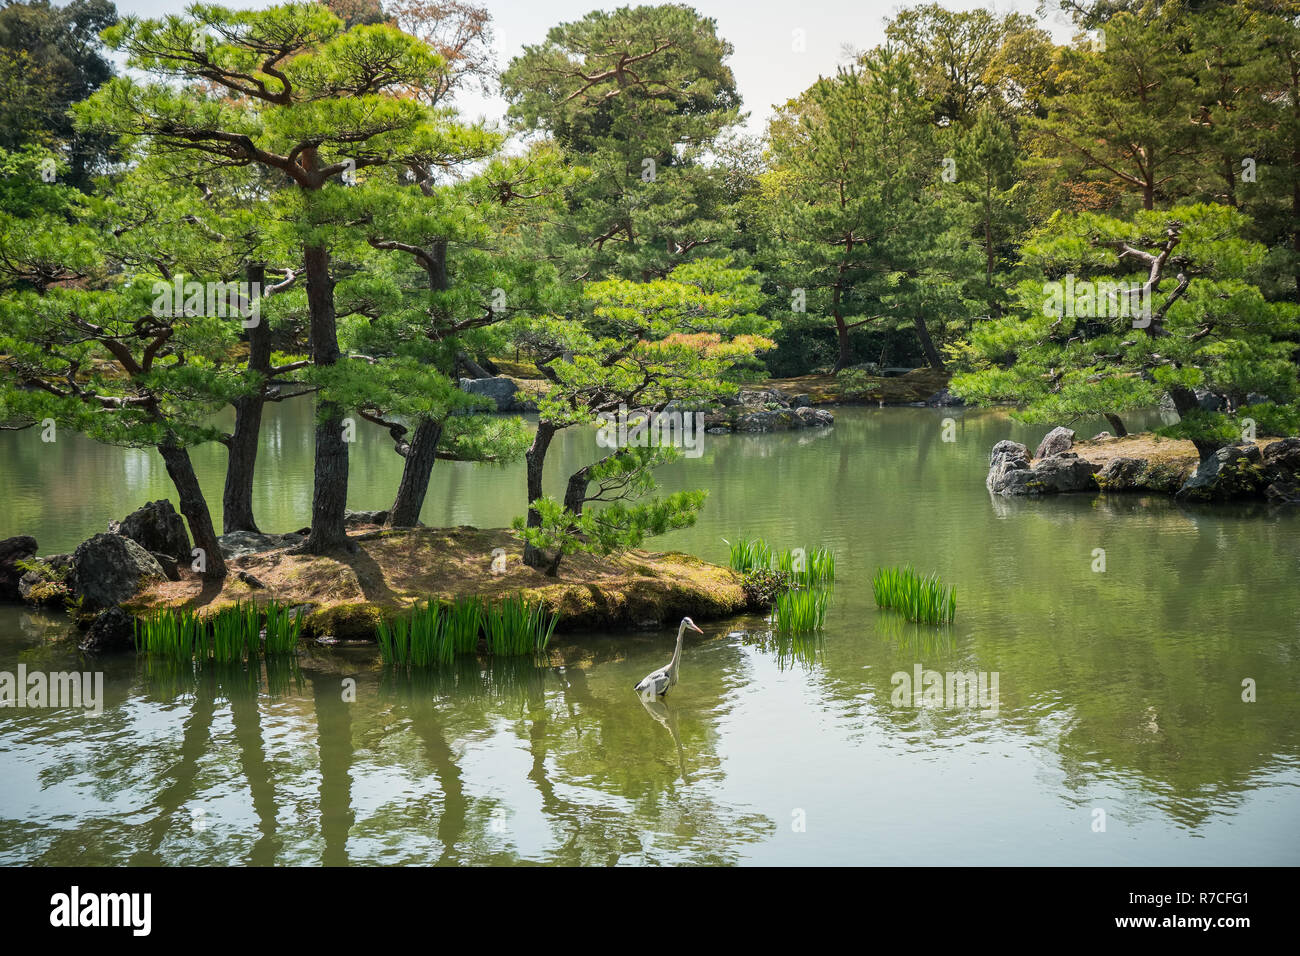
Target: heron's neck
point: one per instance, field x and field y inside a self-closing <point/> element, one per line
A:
<point x="677" y="652"/>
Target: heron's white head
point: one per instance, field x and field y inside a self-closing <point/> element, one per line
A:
<point x="691" y="624"/>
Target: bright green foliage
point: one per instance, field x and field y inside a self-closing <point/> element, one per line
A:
<point x="436" y="632"/>
<point x="422" y="640"/>
<point x="686" y="339"/>
<point x="617" y="526"/>
<point x="1211" y="329"/>
<point x="799" y="610"/>
<point x="637" y="98"/>
<point x="513" y="627"/>
<point x="238" y="632"/>
<point x="814" y="568"/>
<point x="747" y="555"/>
<point x="917" y="598"/>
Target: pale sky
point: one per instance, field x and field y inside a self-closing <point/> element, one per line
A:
<point x="768" y="68"/>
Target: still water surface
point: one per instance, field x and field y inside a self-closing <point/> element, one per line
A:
<point x="1119" y="691"/>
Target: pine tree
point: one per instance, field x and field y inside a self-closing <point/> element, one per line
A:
<point x="679" y="342"/>
<point x="1189" y="315"/>
<point x="289" y="90"/>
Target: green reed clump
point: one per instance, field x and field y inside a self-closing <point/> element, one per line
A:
<point x="917" y="598"/>
<point x="168" y="633"/>
<point x="515" y="627"/>
<point x="749" y="555"/>
<point x="420" y="640"/>
<point x="801" y="610"/>
<point x="464" y="622"/>
<point x="231" y="634"/>
<point x="435" y="633"/>
<point x="812" y="568"/>
<point x="816" y="570"/>
<point x="283" y="629"/>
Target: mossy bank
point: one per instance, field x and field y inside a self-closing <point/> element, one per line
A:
<point x="346" y="595"/>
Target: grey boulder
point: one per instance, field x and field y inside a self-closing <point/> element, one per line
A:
<point x="107" y="569"/>
<point x="813" y="417"/>
<point x="1231" y="472"/>
<point x="112" y="630"/>
<point x="1010" y="473"/>
<point x="502" y="391"/>
<point x="156" y="527"/>
<point x="1059" y="439"/>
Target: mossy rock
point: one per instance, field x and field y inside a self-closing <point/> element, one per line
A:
<point x="355" y="621"/>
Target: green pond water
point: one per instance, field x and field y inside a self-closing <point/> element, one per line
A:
<point x="1119" y="692"/>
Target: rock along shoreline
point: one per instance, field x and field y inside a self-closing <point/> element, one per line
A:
<point x="1264" y="470"/>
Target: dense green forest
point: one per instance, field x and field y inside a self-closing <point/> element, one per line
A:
<point x="224" y="208"/>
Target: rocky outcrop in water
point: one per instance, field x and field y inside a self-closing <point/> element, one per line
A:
<point x="766" y="410"/>
<point x="46" y="582"/>
<point x="111" y="630"/>
<point x="1244" y="470"/>
<point x="1012" y="471"/>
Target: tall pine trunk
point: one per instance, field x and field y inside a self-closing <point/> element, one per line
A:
<point x="927" y="344"/>
<point x="1185" y="403"/>
<point x="195" y="509"/>
<point x="237" y="499"/>
<point x="845" y="346"/>
<point x="535" y="459"/>
<point x="420" y="456"/>
<point x="422" y="452"/>
<point x="330" y="491"/>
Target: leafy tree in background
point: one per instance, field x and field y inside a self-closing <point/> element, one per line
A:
<point x="1121" y="116"/>
<point x="460" y="33"/>
<point x="50" y="58"/>
<point x="637" y="97"/>
<point x="969" y="61"/>
<point x="988" y="176"/>
<point x="855" y="228"/>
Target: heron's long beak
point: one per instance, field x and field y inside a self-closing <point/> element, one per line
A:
<point x="694" y="628"/>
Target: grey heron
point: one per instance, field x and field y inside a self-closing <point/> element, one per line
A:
<point x="657" y="683"/>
